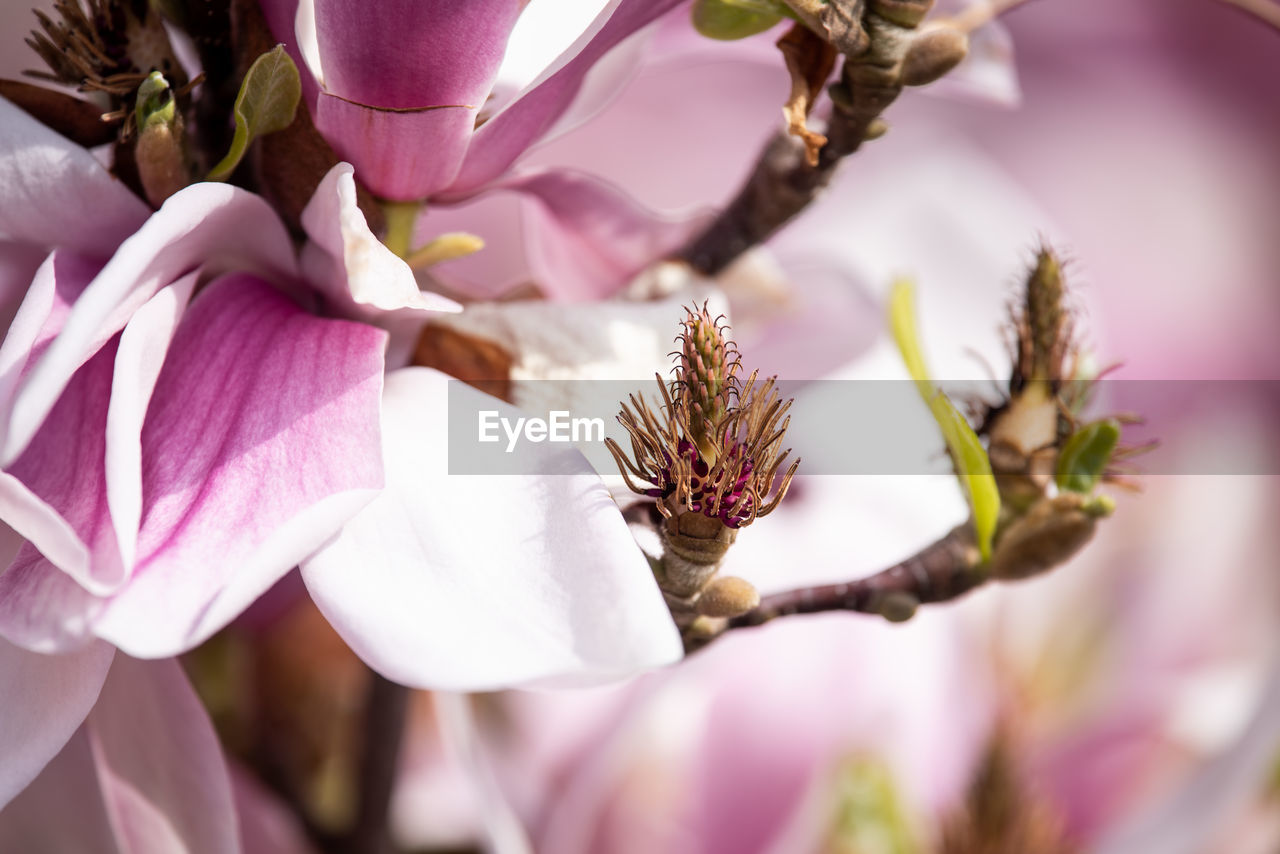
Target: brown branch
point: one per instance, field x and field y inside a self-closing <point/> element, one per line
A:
<point x="941" y="572"/>
<point x="783" y="182"/>
<point x="384" y="723"/>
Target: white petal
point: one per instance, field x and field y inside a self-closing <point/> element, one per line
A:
<point x="477" y="582"/>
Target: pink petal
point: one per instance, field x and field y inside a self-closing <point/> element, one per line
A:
<point x="140" y="357"/>
<point x="262" y="439"/>
<point x="544" y="32"/>
<point x="55" y="494"/>
<point x="78" y="513"/>
<point x="406" y="54"/>
<point x="585" y="238"/>
<point x="212" y="227"/>
<point x="40" y="819"/>
<point x="403" y="82"/>
<point x="160" y="767"/>
<point x="56" y="193"/>
<point x="402" y="155"/>
<point x="50" y="293"/>
<point x="505" y="136"/>
<point x="47" y="698"/>
<point x="474" y="582"/>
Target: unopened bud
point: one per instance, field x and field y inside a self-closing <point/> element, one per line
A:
<point x="1050" y="534"/>
<point x="933" y="53"/>
<point x="727" y="597"/>
<point x="877" y="129"/>
<point x="898" y="606"/>
<point x="161" y="161"/>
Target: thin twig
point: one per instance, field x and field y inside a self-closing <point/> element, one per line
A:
<point x="941" y="572"/>
<point x="782" y="183"/>
<point x="383" y="728"/>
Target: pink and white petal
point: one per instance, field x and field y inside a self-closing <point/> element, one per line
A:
<point x="405" y="54"/>
<point x="541" y="33"/>
<point x="79" y="514"/>
<point x="139" y="359"/>
<point x="57" y="193"/>
<point x="159" y="766"/>
<point x="545" y="31"/>
<point x="585" y="238"/>
<point x="476" y="582"/>
<point x="403" y="155"/>
<point x="55" y="494"/>
<point x="505" y="136"/>
<point x="357" y="274"/>
<point x="62" y="809"/>
<point x="46" y="700"/>
<point x="261" y="440"/>
<point x="42" y="608"/>
<point x="56" y="285"/>
<point x="210" y="227"/>
<point x="266" y="825"/>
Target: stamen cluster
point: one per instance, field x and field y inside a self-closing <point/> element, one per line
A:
<point x="714" y="447"/>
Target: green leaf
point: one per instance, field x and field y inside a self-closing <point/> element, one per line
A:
<point x="902" y="322"/>
<point x="728" y="20"/>
<point x="267" y="102"/>
<point x="973" y="468"/>
<point x="1085" y="455"/>
<point x="969" y="458"/>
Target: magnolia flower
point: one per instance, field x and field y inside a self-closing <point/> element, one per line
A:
<point x="179" y="427"/>
<point x="437" y="101"/>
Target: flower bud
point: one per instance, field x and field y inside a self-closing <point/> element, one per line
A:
<point x="933" y="53"/>
<point x="159" y="155"/>
<point x="727" y="597"/>
<point x="1050" y="534"/>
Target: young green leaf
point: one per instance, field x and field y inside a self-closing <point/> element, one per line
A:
<point x="1085" y="455"/>
<point x="267" y="102"/>
<point x="972" y="465"/>
<point x="902" y="322"/>
<point x="973" y="468"/>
